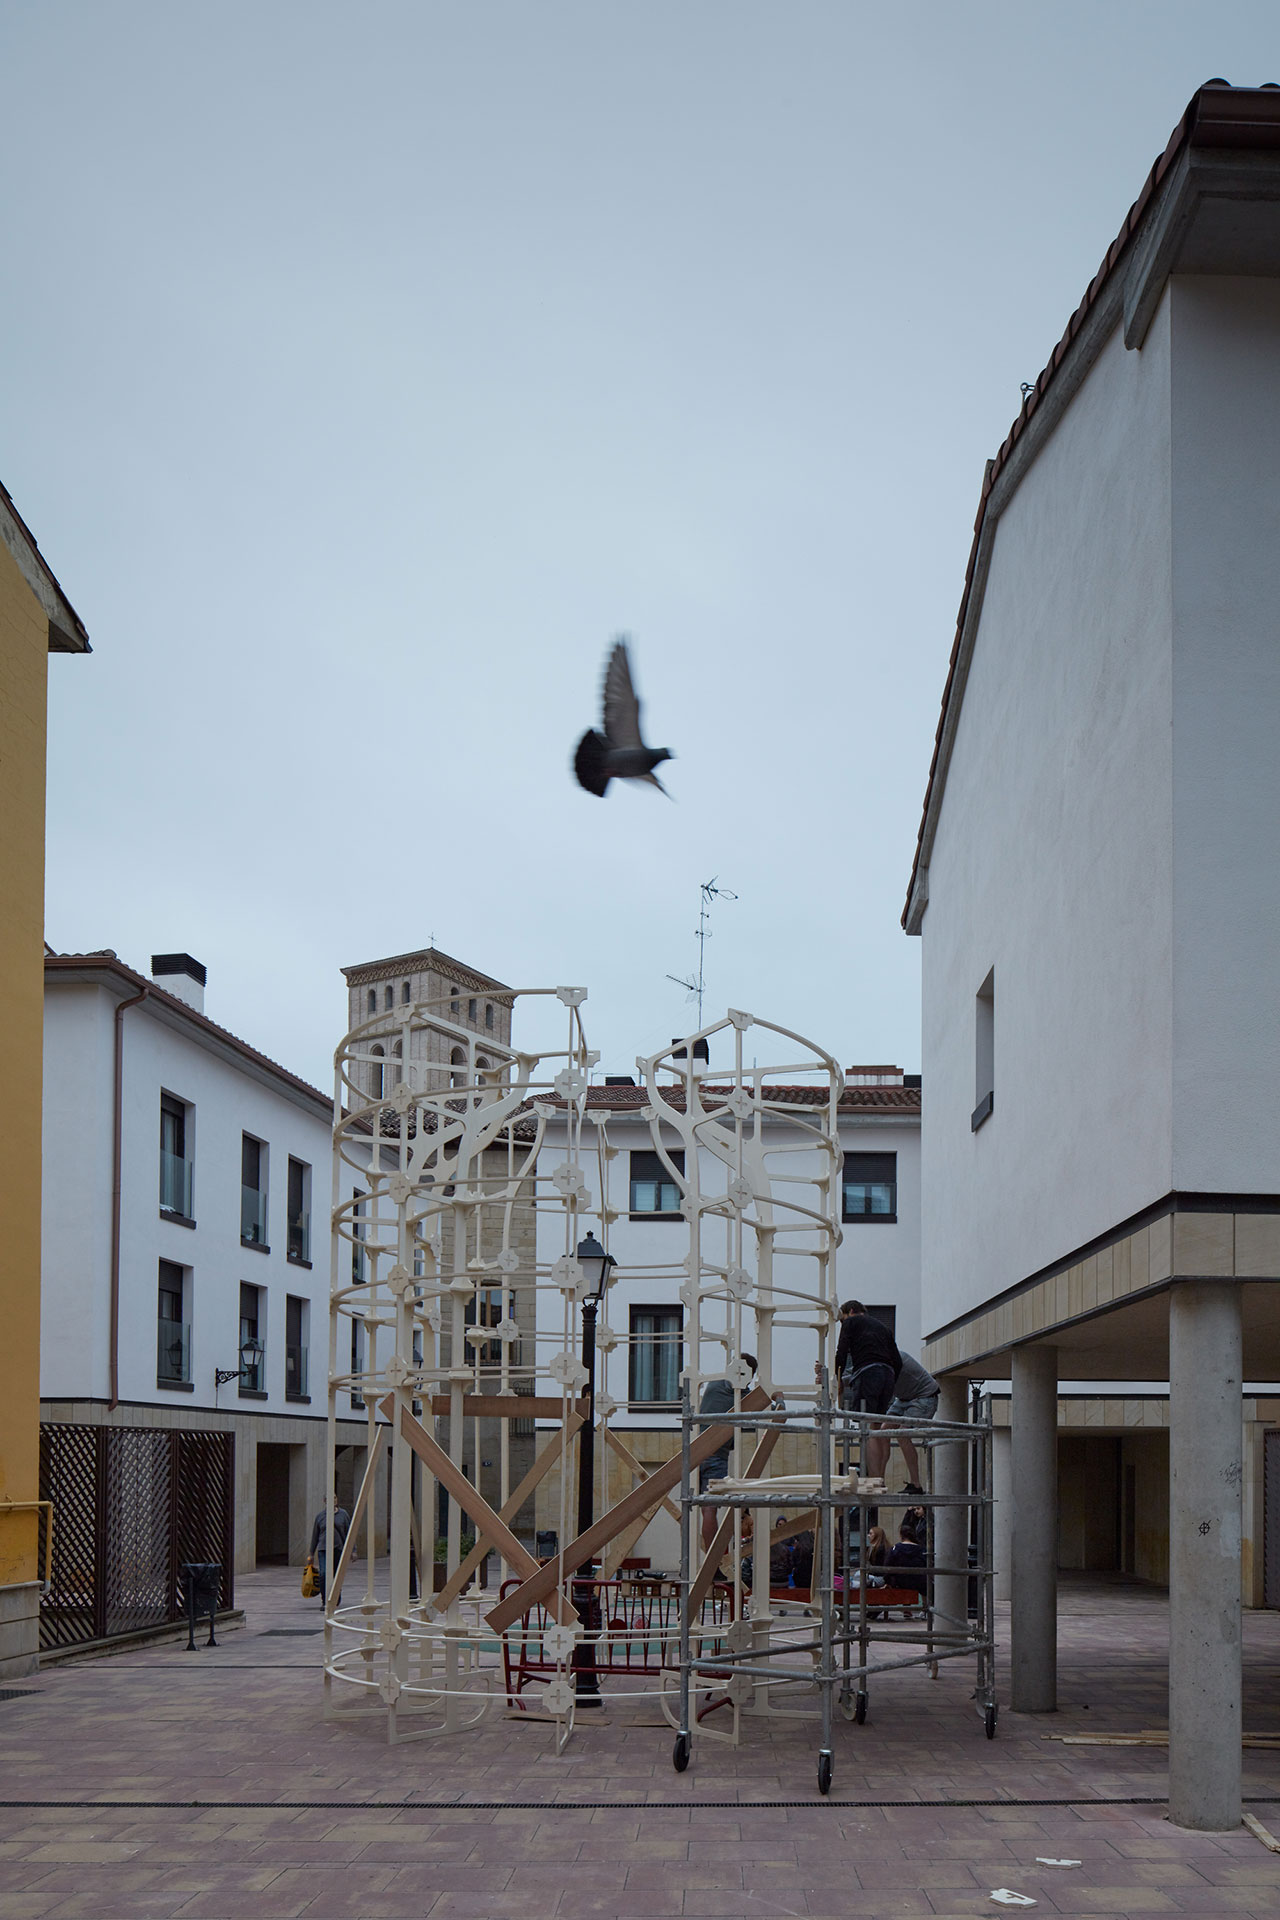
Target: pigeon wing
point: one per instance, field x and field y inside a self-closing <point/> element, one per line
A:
<point x="621" y="708"/>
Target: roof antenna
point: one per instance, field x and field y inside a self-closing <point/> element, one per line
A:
<point x="694" y="987"/>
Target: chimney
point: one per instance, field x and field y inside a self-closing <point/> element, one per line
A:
<point x="180" y="975"/>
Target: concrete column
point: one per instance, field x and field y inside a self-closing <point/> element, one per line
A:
<point x="1033" y="1617"/>
<point x="1205" y="1468"/>
<point x="1002" y="1496"/>
<point x="951" y="1524"/>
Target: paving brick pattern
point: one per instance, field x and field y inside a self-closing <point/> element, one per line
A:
<point x="245" y="1723"/>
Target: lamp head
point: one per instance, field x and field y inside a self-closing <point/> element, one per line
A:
<point x="596" y="1265"/>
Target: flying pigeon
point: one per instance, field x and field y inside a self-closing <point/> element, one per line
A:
<point x="619" y="753"/>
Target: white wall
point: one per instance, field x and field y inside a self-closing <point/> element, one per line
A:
<point x="879" y="1263"/>
<point x="75" y="1248"/>
<point x="1053" y="861"/>
<point x="78" y="1130"/>
<point x="1226" y="719"/>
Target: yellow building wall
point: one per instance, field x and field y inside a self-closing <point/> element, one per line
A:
<point x="24" y="642"/>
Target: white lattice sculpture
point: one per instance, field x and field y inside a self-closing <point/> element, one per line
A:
<point x="441" y="1175"/>
<point x="437" y="1178"/>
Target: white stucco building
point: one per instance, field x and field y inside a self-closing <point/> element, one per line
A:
<point x="1098" y="897"/>
<point x="642" y="1345"/>
<point x="185" y="1233"/>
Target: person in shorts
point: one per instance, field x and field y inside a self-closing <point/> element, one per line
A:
<point x="915" y="1397"/>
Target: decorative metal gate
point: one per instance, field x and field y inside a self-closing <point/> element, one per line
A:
<point x="130" y="1505"/>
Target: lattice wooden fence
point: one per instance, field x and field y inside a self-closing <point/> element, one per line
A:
<point x="130" y="1505"/>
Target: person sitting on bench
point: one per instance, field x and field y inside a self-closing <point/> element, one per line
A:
<point x="905" y="1561"/>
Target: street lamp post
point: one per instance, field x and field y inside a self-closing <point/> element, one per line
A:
<point x="251" y="1351"/>
<point x="596" y="1265"/>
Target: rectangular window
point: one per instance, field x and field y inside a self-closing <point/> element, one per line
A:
<point x="653" y="1377"/>
<point x="297" y="1333"/>
<point x="175" y="1162"/>
<point x="173" y="1325"/>
<point x="357" y="1361"/>
<point x="870" y="1186"/>
<point x="984" y="1034"/>
<point x="251" y="1330"/>
<point x="299" y="1225"/>
<point x="654" y="1193"/>
<point x="358" y="1199"/>
<point x="489" y="1352"/>
<point x="253" y="1192"/>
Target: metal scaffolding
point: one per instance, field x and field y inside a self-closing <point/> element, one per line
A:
<point x="843" y="1631"/>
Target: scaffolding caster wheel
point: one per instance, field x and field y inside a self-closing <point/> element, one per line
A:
<point x="989" y="1720"/>
<point x="824" y="1773"/>
<point x="680" y="1752"/>
<point x="860" y="1707"/>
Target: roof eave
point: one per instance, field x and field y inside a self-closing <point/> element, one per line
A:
<point x="66" y="629"/>
<point x="1222" y="120"/>
<point x="116" y="976"/>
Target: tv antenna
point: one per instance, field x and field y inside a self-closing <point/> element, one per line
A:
<point x="710" y="891"/>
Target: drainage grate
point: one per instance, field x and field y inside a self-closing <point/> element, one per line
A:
<point x="288" y="1633"/>
<point x="17" y="1693"/>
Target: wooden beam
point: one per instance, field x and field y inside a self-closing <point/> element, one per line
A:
<point x="545" y="1460"/>
<point x="475" y="1506"/>
<point x="588" y="1544"/>
<point x="625" y="1454"/>
<point x="701" y="1586"/>
<point x="620" y="1548"/>
<point x="333" y="1583"/>
<point x="803" y="1523"/>
<point x="505" y="1406"/>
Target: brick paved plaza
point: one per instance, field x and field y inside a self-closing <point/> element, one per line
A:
<point x="111" y="1739"/>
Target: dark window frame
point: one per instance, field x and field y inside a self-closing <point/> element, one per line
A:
<point x="251" y="1384"/>
<point x="297" y="1347"/>
<point x="297" y="1225"/>
<point x="256" y="1237"/>
<point x="651" y="1171"/>
<point x="638" y="1339"/>
<point x="176" y="1111"/>
<point x="872" y="1169"/>
<point x="173" y="1282"/>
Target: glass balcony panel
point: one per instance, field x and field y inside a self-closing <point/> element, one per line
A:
<point x="296" y="1371"/>
<point x="173" y="1350"/>
<point x="253" y="1216"/>
<point x="299" y="1236"/>
<point x="175" y="1184"/>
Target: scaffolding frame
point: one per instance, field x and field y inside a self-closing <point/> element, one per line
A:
<point x="766" y="1658"/>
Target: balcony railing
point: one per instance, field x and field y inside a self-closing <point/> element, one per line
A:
<point x="296" y="1373"/>
<point x="175" y="1184"/>
<point x="173" y="1350"/>
<point x="299" y="1247"/>
<point x="253" y="1216"/>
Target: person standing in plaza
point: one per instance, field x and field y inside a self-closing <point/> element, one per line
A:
<point x="319" y="1531"/>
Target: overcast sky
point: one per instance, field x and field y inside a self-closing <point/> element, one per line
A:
<point x="367" y="368"/>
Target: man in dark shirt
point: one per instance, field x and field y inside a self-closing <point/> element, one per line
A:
<point x="904" y="1559"/>
<point x="867" y="1366"/>
<point x="319" y="1527"/>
